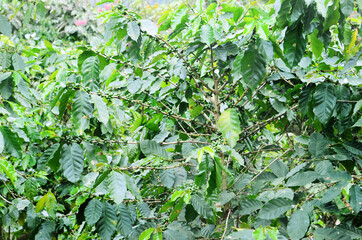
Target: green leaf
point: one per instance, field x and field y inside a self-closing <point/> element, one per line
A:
<point x="279" y="168"/>
<point x="6" y="85"/>
<point x="346" y="7"/>
<point x="298" y="224"/>
<point x="352" y="231"/>
<point x="93" y="211"/>
<point x="252" y="67"/>
<point x="90" y="72"/>
<point x="72" y="162"/>
<point x="11" y="142"/>
<point x="45" y="231"/>
<point x="274" y="208"/>
<point x="297" y="10"/>
<point x="82" y="110"/>
<point x="248" y="206"/>
<point x="124" y="224"/>
<point x="31" y="188"/>
<point x="167" y="178"/>
<point x="144" y="209"/>
<point x="149" y="147"/>
<point x="229" y="126"/>
<point x="302" y="178"/>
<point x="149" y="27"/>
<point x="324" y="102"/>
<point x="106" y="225"/>
<point x="330" y="234"/>
<point x="207" y="34"/>
<point x="5" y="26"/>
<point x="47" y="202"/>
<point x="333" y="192"/>
<point x="101" y="106"/>
<point x="117" y="186"/>
<point x="18" y="62"/>
<point x="294" y="44"/>
<point x="146" y="234"/>
<point x="316" y="44"/>
<point x="47" y="156"/>
<point x="317" y="145"/>
<point x="133" y="30"/>
<point x="8" y="169"/>
<point x="283" y="14"/>
<point x="202" y="207"/>
<point x="353" y="147"/>
<point x="355" y="198"/>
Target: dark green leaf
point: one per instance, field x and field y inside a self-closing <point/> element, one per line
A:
<point x="317" y="145"/>
<point x="106" y="225"/>
<point x="302" y="178"/>
<point x="93" y="211"/>
<point x="202" y="207"/>
<point x="294" y="44"/>
<point x="274" y="208"/>
<point x="324" y="102"/>
<point x="11" y="142"/>
<point x="248" y="206"/>
<point x="354" y="147"/>
<point x="47" y="156"/>
<point x="355" y="198"/>
<point x="252" y="67"/>
<point x="124" y="225"/>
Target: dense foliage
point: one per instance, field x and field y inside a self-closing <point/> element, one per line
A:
<point x="221" y="122"/>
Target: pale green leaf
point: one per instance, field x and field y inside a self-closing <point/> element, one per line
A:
<point x="117" y="186"/>
<point x="5" y="26"/>
<point x="330" y="234"/>
<point x="101" y="106"/>
<point x="229" y="126"/>
<point x="146" y="234"/>
<point x="298" y="224"/>
<point x="133" y="30"/>
<point x="72" y="162"/>
<point x="207" y="34"/>
<point x="82" y="110"/>
<point x="149" y="27"/>
<point x="149" y="147"/>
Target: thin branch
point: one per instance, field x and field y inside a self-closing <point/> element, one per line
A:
<point x="226" y="224"/>
<point x="264" y="169"/>
<point x="186" y="62"/>
<point x="7" y="201"/>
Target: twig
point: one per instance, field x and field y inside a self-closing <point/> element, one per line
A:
<point x="264" y="169"/>
<point x="226" y="224"/>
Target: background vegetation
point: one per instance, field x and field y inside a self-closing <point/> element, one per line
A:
<point x="210" y="120"/>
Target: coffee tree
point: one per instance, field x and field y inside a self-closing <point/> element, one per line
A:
<point x="223" y="121"/>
